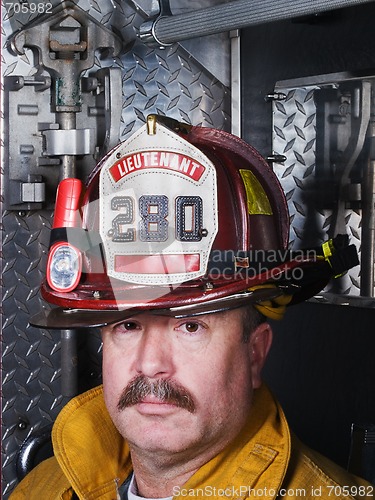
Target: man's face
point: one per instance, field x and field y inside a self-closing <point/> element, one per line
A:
<point x="181" y="386"/>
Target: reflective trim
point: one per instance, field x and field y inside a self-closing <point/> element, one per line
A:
<point x="257" y="200"/>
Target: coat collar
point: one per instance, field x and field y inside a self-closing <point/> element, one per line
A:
<point x="88" y="447"/>
<point x="95" y="458"/>
<point x="263" y="445"/>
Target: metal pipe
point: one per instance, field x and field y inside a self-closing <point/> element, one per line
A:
<point x="67" y="121"/>
<point x="69" y="360"/>
<point x="368" y="229"/>
<point x="236" y="82"/>
<point x="238" y="14"/>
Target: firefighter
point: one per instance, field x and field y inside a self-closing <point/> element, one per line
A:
<point x="178" y="250"/>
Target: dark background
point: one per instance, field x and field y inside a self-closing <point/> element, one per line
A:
<point x="321" y="367"/>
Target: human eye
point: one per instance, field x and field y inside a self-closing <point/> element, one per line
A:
<point x="127" y="326"/>
<point x="191" y="328"/>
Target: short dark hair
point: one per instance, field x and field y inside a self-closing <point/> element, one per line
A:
<point x="252" y="318"/>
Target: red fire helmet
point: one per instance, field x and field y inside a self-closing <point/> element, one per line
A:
<point x="181" y="220"/>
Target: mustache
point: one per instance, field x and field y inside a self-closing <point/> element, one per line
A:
<point x="166" y="390"/>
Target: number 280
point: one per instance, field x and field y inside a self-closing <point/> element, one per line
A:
<point x="154" y="223"/>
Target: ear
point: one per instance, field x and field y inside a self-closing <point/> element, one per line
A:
<point x="259" y="344"/>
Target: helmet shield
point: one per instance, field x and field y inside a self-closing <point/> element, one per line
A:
<point x="157" y="210"/>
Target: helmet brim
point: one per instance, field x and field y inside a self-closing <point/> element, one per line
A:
<point x="59" y="318"/>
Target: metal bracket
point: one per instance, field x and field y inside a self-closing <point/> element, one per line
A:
<point x="343" y="116"/>
<point x="57" y="117"/>
<point x="147" y="29"/>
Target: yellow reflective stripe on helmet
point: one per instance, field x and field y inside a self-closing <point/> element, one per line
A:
<point x="257" y="200"/>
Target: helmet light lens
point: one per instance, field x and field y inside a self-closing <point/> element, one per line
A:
<point x="64" y="267"/>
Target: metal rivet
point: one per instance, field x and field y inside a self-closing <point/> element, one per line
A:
<point x="22" y="425"/>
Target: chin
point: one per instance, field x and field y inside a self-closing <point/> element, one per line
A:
<point x="159" y="444"/>
<point x="152" y="431"/>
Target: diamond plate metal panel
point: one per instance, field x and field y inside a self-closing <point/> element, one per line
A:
<point x="294" y="136"/>
<point x="170" y="81"/>
<point x="31" y="374"/>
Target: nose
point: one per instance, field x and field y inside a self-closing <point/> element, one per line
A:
<point x="154" y="354"/>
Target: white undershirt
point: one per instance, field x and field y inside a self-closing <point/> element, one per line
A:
<point x="133" y="492"/>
